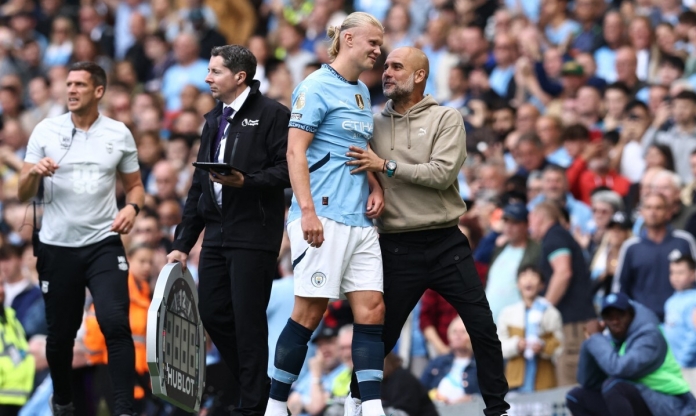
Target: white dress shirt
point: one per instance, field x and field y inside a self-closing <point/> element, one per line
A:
<point x="236" y="105"/>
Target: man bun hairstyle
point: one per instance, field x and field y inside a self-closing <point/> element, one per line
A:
<point x="357" y="19"/>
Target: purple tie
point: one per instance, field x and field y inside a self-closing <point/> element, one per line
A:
<point x="226" y="113"/>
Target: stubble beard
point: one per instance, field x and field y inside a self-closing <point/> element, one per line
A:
<point x="399" y="93"/>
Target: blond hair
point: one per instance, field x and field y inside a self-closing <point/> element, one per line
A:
<point x="357" y="19"/>
<point x="551" y="209"/>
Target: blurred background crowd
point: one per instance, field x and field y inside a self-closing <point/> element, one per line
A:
<point x="581" y="135"/>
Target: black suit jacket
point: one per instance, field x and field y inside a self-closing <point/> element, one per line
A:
<point x="253" y="216"/>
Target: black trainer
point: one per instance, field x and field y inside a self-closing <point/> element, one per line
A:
<point x="61" y="410"/>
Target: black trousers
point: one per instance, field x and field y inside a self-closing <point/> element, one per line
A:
<point x="9" y="410"/>
<point x="234" y="288"/>
<point x="617" y="398"/>
<point x="441" y="260"/>
<point x="64" y="273"/>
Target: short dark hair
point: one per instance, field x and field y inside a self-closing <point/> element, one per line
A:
<point x="9" y="251"/>
<point x="237" y="58"/>
<point x="552" y="167"/>
<point x="96" y="72"/>
<point x="575" y="132"/>
<point x="636" y="104"/>
<point x="673" y="61"/>
<point x="10" y="88"/>
<point x="529" y="268"/>
<point x="499" y="105"/>
<point x="188" y="138"/>
<point x="666" y="153"/>
<point x="159" y="35"/>
<point x="612" y="137"/>
<point x="686" y="95"/>
<point x="688" y="18"/>
<point x="297" y="28"/>
<point x="465" y="69"/>
<point x="687" y="259"/>
<point x="532" y="139"/>
<point x="272" y="65"/>
<point x="620" y="86"/>
<point x="45" y="79"/>
<point x="314" y="64"/>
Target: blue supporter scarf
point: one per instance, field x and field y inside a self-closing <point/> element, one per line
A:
<point x="532" y="333"/>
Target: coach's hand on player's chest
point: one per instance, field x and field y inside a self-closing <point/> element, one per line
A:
<point x="365" y="160"/>
<point x="234" y="179"/>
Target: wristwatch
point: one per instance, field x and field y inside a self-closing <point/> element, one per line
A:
<point x="391" y="168"/>
<point x="136" y="207"/>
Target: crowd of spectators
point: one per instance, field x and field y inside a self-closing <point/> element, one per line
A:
<point x="580" y="179"/>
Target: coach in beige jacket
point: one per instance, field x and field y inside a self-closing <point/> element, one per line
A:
<point x="417" y="149"/>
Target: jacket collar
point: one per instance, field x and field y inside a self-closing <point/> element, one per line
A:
<point x="213" y="115"/>
<point x="668" y="235"/>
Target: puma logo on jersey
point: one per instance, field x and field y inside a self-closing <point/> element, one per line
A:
<point x="421" y="131"/>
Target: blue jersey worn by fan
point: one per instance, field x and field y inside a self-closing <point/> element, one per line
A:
<point x="338" y="112"/>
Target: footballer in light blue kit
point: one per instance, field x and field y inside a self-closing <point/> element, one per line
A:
<point x="339" y="114"/>
<point x="333" y="242"/>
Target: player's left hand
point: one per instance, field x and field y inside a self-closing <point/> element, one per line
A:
<point x="375" y="203"/>
<point x="365" y="159"/>
<point x="235" y="179"/>
<point x="123" y="224"/>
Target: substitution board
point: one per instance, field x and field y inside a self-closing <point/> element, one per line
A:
<point x="176" y="340"/>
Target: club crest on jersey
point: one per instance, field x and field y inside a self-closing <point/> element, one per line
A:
<point x="300" y="102"/>
<point x="109" y="147"/>
<point x="122" y="264"/>
<point x="65" y="142"/>
<point x="359" y="101"/>
<point x="318" y="279"/>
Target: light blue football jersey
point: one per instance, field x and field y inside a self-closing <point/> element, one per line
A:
<point x="339" y="114"/>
